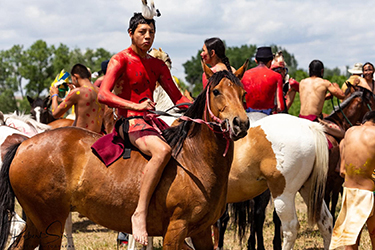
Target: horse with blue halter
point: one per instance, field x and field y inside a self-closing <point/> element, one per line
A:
<point x="188" y="200"/>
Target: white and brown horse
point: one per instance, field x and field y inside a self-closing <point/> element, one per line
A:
<point x="286" y="154"/>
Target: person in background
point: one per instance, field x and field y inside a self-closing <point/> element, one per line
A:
<point x="355" y="77"/>
<point x="102" y="73"/>
<point x="213" y="54"/>
<point x="84" y="96"/>
<point x="264" y="87"/>
<point x="290" y="86"/>
<point x="313" y="91"/>
<point x="368" y="75"/>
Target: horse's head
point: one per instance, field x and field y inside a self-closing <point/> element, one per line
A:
<point x="225" y="95"/>
<point x="357" y="102"/>
<point x="40" y="109"/>
<point x="162" y="55"/>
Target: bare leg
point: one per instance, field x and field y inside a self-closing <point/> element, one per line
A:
<point x="371" y="229"/>
<point x="160" y="153"/>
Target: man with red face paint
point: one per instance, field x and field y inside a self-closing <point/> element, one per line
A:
<point x="132" y="75"/>
<point x="264" y="87"/>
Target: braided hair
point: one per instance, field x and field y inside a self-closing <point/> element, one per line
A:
<point x="217" y="44"/>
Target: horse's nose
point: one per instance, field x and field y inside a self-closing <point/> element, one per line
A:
<point x="240" y="127"/>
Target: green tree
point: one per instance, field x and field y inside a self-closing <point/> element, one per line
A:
<point x="193" y="71"/>
<point x="10" y="77"/>
<point x="60" y="59"/>
<point x="38" y="69"/>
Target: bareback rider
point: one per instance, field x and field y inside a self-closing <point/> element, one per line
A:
<point x="313" y="92"/>
<point x="132" y="75"/>
<point x="264" y="87"/>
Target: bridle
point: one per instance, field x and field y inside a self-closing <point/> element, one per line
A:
<point x="355" y="94"/>
<point x="224" y="126"/>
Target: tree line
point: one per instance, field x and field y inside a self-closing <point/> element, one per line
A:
<point x="31" y="71"/>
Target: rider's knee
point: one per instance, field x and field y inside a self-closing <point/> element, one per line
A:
<point x="164" y="151"/>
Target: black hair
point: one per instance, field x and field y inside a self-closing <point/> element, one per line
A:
<point x="367" y="63"/>
<point x="369" y="117"/>
<point x="139" y="19"/>
<point x="218" y="45"/>
<point x="315" y="68"/>
<point x="81" y="70"/>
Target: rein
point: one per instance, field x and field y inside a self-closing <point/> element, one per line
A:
<point x="217" y="122"/>
<point x="354" y="95"/>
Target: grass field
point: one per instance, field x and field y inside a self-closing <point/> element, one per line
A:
<point x="90" y="236"/>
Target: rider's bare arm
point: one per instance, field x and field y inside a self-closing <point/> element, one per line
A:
<point x="335" y="90"/>
<point x="66" y="104"/>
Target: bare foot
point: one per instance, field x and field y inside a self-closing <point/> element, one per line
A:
<point x="139" y="229"/>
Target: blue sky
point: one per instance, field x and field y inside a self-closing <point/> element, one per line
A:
<point x="339" y="33"/>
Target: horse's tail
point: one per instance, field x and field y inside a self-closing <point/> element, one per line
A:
<point x="318" y="176"/>
<point x="7" y="197"/>
<point x="242" y="213"/>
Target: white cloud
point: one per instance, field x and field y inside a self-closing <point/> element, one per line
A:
<point x="338" y="33"/>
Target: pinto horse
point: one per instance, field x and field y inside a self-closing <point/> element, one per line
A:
<point x="286" y="154"/>
<point x="40" y="109"/>
<point x="356" y="103"/>
<point x="189" y="198"/>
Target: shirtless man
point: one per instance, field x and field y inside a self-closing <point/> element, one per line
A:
<point x="357" y="152"/>
<point x="88" y="111"/>
<point x="313" y="92"/>
<point x="132" y="75"/>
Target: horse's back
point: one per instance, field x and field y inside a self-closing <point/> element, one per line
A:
<point x="293" y="143"/>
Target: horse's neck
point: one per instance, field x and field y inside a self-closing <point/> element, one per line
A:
<point x="207" y="149"/>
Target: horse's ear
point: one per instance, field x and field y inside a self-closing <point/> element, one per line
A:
<point x="31" y="100"/>
<point x="239" y="73"/>
<point x="47" y="102"/>
<point x="206" y="70"/>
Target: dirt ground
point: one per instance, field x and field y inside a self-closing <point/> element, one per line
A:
<point x="90" y="236"/>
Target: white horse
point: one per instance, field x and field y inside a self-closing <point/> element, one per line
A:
<point x="286" y="154"/>
<point x="25" y="125"/>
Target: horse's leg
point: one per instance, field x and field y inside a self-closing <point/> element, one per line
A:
<point x="251" y="241"/>
<point x="69" y="232"/>
<point x="16" y="227"/>
<point x="203" y="240"/>
<point x="28" y="239"/>
<point x="286" y="210"/>
<point x="325" y="219"/>
<point x="261" y="203"/>
<point x="277" y="237"/>
<point x="223" y="222"/>
<point x="176" y="233"/>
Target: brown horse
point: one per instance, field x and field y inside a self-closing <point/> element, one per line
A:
<point x="356" y="103"/>
<point x="189" y="198"/>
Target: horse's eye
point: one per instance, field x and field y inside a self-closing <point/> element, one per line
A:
<point x="216" y="92"/>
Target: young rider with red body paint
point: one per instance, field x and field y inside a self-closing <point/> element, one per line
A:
<point x="89" y="112"/>
<point x="128" y="86"/>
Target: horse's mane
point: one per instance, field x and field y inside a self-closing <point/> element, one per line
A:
<point x="28" y="120"/>
<point x="176" y="135"/>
